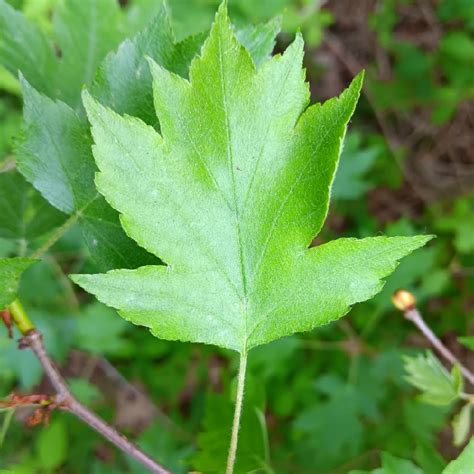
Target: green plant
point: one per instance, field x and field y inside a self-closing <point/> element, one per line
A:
<point x="229" y="214"/>
<point x="68" y="226"/>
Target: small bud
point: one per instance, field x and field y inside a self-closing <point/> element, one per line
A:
<point x="403" y="300"/>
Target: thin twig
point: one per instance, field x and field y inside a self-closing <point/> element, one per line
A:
<point x="33" y="339"/>
<point x="66" y="401"/>
<point x="415" y="317"/>
<point x="405" y="301"/>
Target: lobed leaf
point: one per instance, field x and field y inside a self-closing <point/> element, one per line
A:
<point x="55" y="156"/>
<point x="426" y="373"/>
<point x="230" y="195"/>
<point x="55" y="152"/>
<point x="86" y="30"/>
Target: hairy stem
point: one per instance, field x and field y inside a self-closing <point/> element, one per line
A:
<point x="64" y="399"/>
<point x="237" y="414"/>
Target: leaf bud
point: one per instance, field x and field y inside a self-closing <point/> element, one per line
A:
<point x="403" y="300"/>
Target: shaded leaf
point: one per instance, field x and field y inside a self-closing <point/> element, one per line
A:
<point x="86" y="30"/>
<point x="11" y="270"/>
<point x="51" y="445"/>
<point x="24" y="47"/>
<point x="124" y="81"/>
<point x="395" y="465"/>
<point x="55" y="156"/>
<point x="99" y="331"/>
<point x="24" y="214"/>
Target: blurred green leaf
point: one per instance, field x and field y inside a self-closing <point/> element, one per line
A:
<point x="83" y="390"/>
<point x="462" y="424"/>
<point x="214" y="438"/>
<point x="51" y="444"/>
<point x="350" y="182"/>
<point x="24" y="47"/>
<point x="426" y="373"/>
<point x="463" y="464"/>
<point x="395" y="465"/>
<point x="99" y="330"/>
<point x="467" y="341"/>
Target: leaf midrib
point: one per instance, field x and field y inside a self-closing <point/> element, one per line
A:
<point x="230" y="161"/>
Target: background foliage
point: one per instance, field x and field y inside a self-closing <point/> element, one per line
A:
<point x="337" y="398"/>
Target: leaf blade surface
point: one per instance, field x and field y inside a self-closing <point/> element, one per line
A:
<point x="230" y="195"/>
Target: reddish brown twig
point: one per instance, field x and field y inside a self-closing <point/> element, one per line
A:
<point x="43" y="405"/>
<point x="64" y="400"/>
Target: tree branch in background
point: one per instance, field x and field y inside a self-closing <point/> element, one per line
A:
<point x="63" y="398"/>
<point x="405" y="302"/>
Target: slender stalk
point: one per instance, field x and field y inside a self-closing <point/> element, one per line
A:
<point x="405" y="301"/>
<point x="64" y="399"/>
<point x="413" y="315"/>
<point x="20" y="318"/>
<point x="237" y="414"/>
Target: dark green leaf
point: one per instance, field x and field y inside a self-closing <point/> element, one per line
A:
<point x="24" y="47"/>
<point x="24" y="214"/>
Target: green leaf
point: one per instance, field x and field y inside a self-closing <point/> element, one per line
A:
<point x="84" y="391"/>
<point x="350" y="182"/>
<point x="463" y="464"/>
<point x="230" y="196"/>
<point x="24" y="47"/>
<point x="24" y="214"/>
<point x="462" y="425"/>
<point x="260" y="40"/>
<point x="86" y="31"/>
<point x="318" y="432"/>
<point x="11" y="270"/>
<point x="426" y="373"/>
<point x="467" y="341"/>
<point x="99" y="331"/>
<point x="51" y="445"/>
<point x="124" y="81"/>
<point x="395" y="465"/>
<point x="55" y="156"/>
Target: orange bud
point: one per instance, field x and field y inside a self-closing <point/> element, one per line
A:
<point x="403" y="300"/>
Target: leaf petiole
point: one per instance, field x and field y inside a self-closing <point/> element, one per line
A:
<point x="237" y="414"/>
